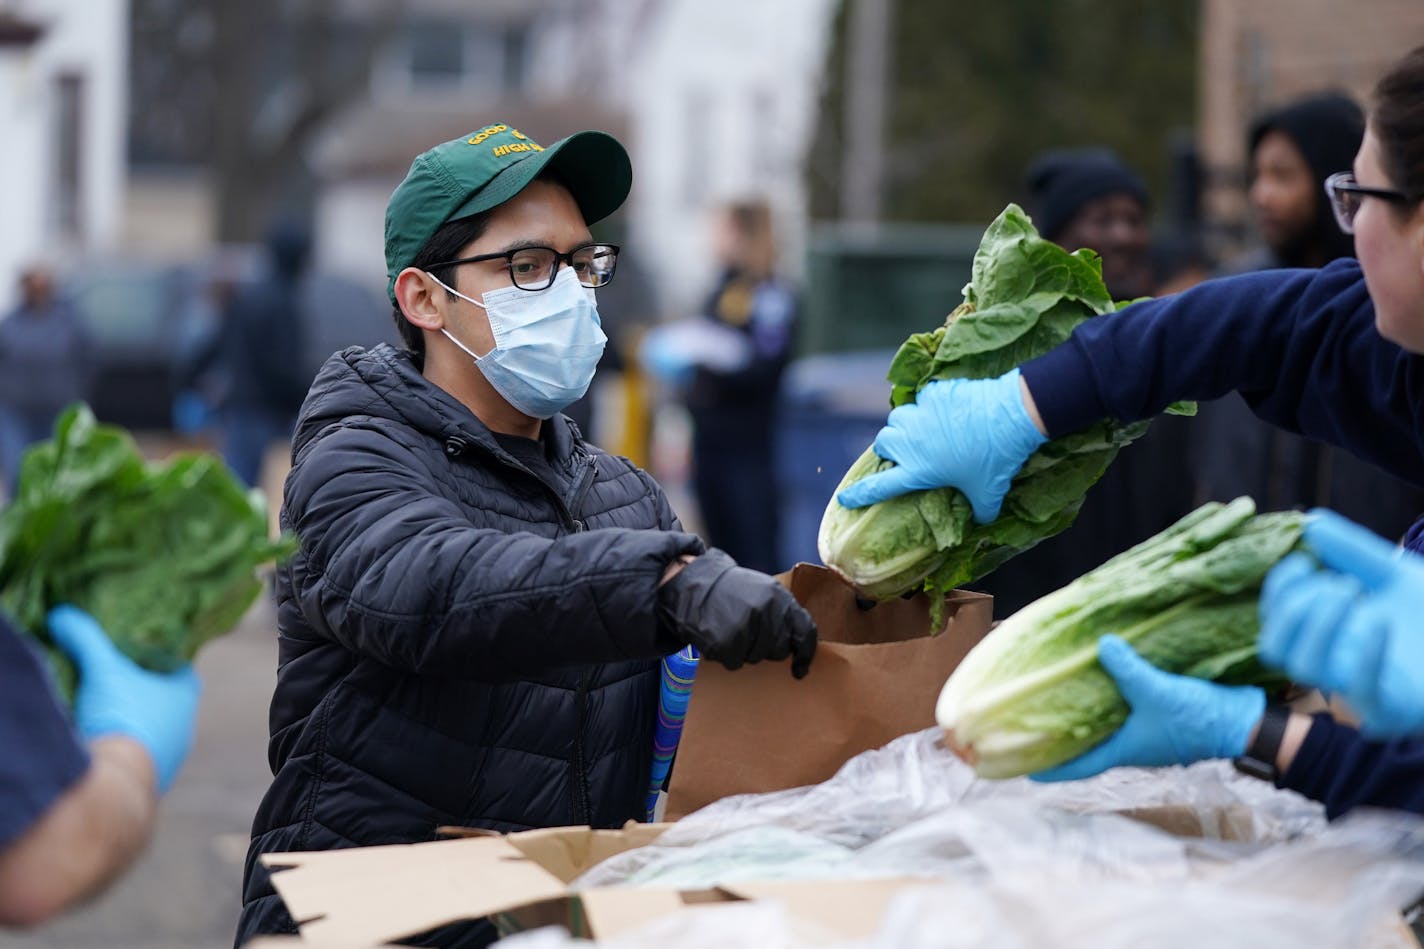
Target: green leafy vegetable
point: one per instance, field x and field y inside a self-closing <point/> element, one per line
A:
<point x="163" y="555"/>
<point x="1032" y="695"/>
<point x="1025" y="297"/>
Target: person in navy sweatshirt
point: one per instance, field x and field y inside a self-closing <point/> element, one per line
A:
<point x="1334" y="354"/>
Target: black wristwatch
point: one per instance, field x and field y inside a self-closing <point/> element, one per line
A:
<point x="1259" y="761"/>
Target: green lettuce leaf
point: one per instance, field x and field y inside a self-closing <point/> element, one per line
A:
<point x="164" y="555"/>
<point x="1026" y="297"/>
<point x="1032" y="695"/>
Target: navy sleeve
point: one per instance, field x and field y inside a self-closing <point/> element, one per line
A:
<point x="1299" y="345"/>
<point x="42" y="757"/>
<point x="1342" y="770"/>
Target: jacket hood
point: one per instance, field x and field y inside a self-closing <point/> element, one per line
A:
<point x="1327" y="129"/>
<point x="384" y="383"/>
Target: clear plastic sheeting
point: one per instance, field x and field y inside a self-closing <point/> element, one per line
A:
<point x="1009" y="864"/>
<point x="1338" y="890"/>
<point x="913" y="809"/>
<point x="751" y="853"/>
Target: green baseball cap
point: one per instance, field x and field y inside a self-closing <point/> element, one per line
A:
<point x="486" y="168"/>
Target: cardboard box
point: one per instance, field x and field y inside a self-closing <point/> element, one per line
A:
<point x="374" y="895"/>
<point x="876" y="676"/>
<point x="371" y="895"/>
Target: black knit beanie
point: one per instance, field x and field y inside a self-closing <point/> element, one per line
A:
<point x="1062" y="180"/>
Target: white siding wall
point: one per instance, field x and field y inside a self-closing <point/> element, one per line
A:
<point x="351" y="223"/>
<point x="88" y="40"/>
<point x="723" y="99"/>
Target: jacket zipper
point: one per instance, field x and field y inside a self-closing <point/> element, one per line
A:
<point x="583" y="809"/>
<point x="579" y="791"/>
<point x="579" y="795"/>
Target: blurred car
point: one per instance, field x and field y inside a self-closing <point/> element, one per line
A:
<point x="150" y="322"/>
<point x="129" y="309"/>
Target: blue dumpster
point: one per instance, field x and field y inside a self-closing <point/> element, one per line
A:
<point x="830" y="408"/>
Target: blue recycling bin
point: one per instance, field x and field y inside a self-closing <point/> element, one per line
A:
<point x="830" y="409"/>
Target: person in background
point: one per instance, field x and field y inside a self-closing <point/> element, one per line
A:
<point x="472" y="631"/>
<point x="1292" y="151"/>
<point x="46" y="363"/>
<point x="76" y="809"/>
<point x="733" y="405"/>
<point x="197" y="368"/>
<point x="261" y="354"/>
<point x="1334" y="353"/>
<point x="626" y="307"/>
<point x="1087" y="197"/>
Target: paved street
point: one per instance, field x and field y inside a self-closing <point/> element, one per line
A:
<point x="184" y="892"/>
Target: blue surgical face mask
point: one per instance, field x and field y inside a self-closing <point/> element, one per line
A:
<point x="547" y="343"/>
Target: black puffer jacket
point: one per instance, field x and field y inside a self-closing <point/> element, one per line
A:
<point x="460" y="643"/>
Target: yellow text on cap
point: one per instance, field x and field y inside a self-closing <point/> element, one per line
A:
<point x="486" y="133"/>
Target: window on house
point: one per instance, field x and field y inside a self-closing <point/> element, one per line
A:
<point x="516" y="57"/>
<point x="766" y="156"/>
<point x="435" y="53"/>
<point x="696" y="167"/>
<point x="440" y="55"/>
<point x="68" y="178"/>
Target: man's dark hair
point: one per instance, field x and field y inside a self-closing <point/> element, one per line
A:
<point x="445" y="244"/>
<point x="1398" y="123"/>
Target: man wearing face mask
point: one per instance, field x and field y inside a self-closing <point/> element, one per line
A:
<point x="471" y="632"/>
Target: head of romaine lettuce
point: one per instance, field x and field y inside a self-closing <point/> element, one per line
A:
<point x="1025" y="297"/>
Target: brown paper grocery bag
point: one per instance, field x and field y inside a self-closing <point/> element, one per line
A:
<point x="876" y="676"/>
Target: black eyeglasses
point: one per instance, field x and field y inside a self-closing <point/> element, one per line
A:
<point x="534" y="268"/>
<point x="1346" y="195"/>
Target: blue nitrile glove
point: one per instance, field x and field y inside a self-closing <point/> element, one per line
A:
<point x="664" y="360"/>
<point x="117" y="697"/>
<point x="1174" y="719"/>
<point x="973" y="435"/>
<point x="1355" y="626"/>
<point x="191" y="412"/>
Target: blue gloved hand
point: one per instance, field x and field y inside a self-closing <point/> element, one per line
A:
<point x="973" y="435"/>
<point x="191" y="413"/>
<point x="1174" y="719"/>
<point x="665" y="361"/>
<point x="1355" y="626"/>
<point x="117" y="697"/>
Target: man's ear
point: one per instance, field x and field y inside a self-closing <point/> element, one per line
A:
<point x="415" y="292"/>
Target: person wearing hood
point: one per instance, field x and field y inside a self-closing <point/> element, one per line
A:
<point x="1089" y="197"/>
<point x="1293" y="150"/>
<point x="265" y="387"/>
<point x="471" y="631"/>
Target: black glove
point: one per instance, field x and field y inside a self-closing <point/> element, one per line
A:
<point x="735" y="615"/>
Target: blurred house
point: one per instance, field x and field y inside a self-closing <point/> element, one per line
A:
<point x="723" y="102"/>
<point x="62" y="105"/>
<point x="1258" y="54"/>
<point x="713" y="101"/>
<point x="447" y="67"/>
